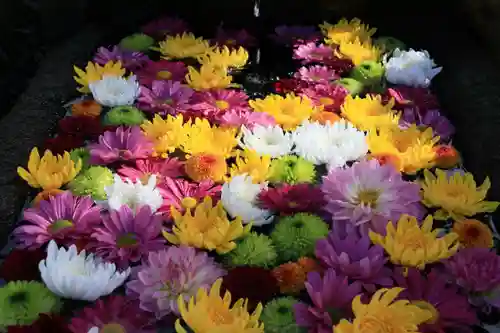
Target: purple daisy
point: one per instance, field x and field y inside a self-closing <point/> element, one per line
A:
<point x="165" y="97"/>
<point x="239" y="117"/>
<point x="331" y="296"/>
<point x="122" y="144"/>
<point x="210" y="103"/>
<point x="316" y="74"/>
<point x="353" y="255"/>
<point x="329" y="96"/>
<point x="165" y="26"/>
<point x="234" y="38"/>
<point x="130" y="60"/>
<point x="169" y="274"/>
<point x="161" y="70"/>
<point x="295" y="34"/>
<point x="63" y="218"/>
<point x="431" y="118"/>
<point x="368" y="195"/>
<point x="312" y="53"/>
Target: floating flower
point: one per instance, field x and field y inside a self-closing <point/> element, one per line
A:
<point x="312" y="53"/>
<point x="447" y="157"/>
<point x="290" y="199"/>
<point x="411" y="245"/>
<point x="161" y="168"/>
<point x="120" y="145"/>
<point x="369" y="73"/>
<point x="272" y="140"/>
<point x="74" y="275"/>
<point x="345" y="31"/>
<point x="127" y="236"/>
<point x="214" y="102"/>
<point x="359" y="51"/>
<point x="247" y="118"/>
<point x="316" y="74"/>
<point x="115" y="90"/>
<point x="208" y="77"/>
<point x="411" y="68"/>
<point x="49" y="172"/>
<point x="95" y="72"/>
<point x="440" y="125"/>
<point x="234" y="38"/>
<point x="473" y="233"/>
<point x="137" y="42"/>
<point x="255" y="250"/>
<point x="209" y="228"/>
<point x="413" y="97"/>
<point x="87" y="108"/>
<point x="369" y="113"/>
<point x="63" y="217"/>
<point x="291" y="169"/>
<point x="10" y="270"/>
<point x="205" y="166"/>
<point x="165" y="26"/>
<point x="165" y="97"/>
<point x="184" y="45"/>
<point x="80" y="126"/>
<point x="172" y="274"/>
<point x="124" y="115"/>
<point x="225" y="57"/>
<point x="292" y="276"/>
<point x="377" y="193"/>
<point x="92" y="182"/>
<point x="161" y="70"/>
<point x="167" y="134"/>
<point x="288" y="111"/>
<point x="239" y="196"/>
<point x="250" y="163"/>
<point x="328" y="96"/>
<point x="278" y="316"/>
<point x="131" y="60"/>
<point x="456" y="196"/>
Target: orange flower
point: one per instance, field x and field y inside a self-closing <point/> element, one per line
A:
<point x="325" y="116"/>
<point x="384" y="159"/>
<point x="309" y="265"/>
<point x="292" y="276"/>
<point x="206" y="166"/>
<point x="446" y="156"/>
<point x="473" y="233"/>
<point x="86" y="108"/>
<point x="45" y="195"/>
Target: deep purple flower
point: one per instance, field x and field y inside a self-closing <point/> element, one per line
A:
<point x="234" y="38"/>
<point x="165" y="97"/>
<point x="405" y="97"/>
<point x="165" y="26"/>
<point x="295" y="34"/>
<point x="312" y="53"/>
<point x="161" y="70"/>
<point x="431" y="118"/>
<point x="329" y="96"/>
<point x="130" y="60"/>
<point x="122" y="144"/>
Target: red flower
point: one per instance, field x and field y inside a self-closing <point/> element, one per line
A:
<point x="86" y="127"/>
<point x="340" y="66"/>
<point x="62" y="143"/>
<point x="22" y="264"/>
<point x="292" y="199"/>
<point x="285" y="86"/>
<point x="44" y="324"/>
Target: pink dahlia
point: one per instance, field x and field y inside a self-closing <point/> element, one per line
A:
<point x="451" y="309"/>
<point x="331" y="297"/>
<point x="169" y="274"/>
<point x="62" y="217"/>
<point x="234" y="38"/>
<point x="368" y="195"/>
<point x="292" y="199"/>
<point x="161" y="70"/>
<point x="211" y="103"/>
<point x="160" y="167"/>
<point x="122" y="144"/>
<point x="312" y="53"/>
<point x="239" y="117"/>
<point x="112" y="314"/>
<point x="353" y="255"/>
<point x="130" y="60"/>
<point x="316" y="74"/>
<point x="329" y="96"/>
<point x="165" y="26"/>
<point x="165" y="97"/>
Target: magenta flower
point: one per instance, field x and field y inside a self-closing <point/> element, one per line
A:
<point x="295" y="34"/>
<point x="316" y="74"/>
<point x="368" y="195"/>
<point x="165" y="26"/>
<point x="331" y="296"/>
<point x="312" y="53"/>
<point x="454" y="314"/>
<point x="440" y="125"/>
<point x="161" y="70"/>
<point x="169" y="274"/>
<point x="353" y="255"/>
<point x="161" y="168"/>
<point x="130" y="60"/>
<point x="329" y="96"/>
<point x="234" y="38"/>
<point x="210" y="103"/>
<point x="165" y="97"/>
<point x="122" y="144"/>
<point x="63" y="218"/>
<point x="239" y="117"/>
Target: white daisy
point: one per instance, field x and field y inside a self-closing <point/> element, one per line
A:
<point x="267" y="140"/>
<point x="411" y="68"/>
<point x="115" y="90"/>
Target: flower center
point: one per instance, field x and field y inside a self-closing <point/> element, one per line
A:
<point x="373" y="324"/>
<point x="298" y="224"/>
<point x="220" y="316"/>
<point x="472" y="232"/>
<point x="428" y="307"/>
<point x="316" y="78"/>
<point x="293" y="204"/>
<point x="189" y="202"/>
<point x="230" y="42"/>
<point x="112" y="328"/>
<point x="18" y="297"/>
<point x="59" y="226"/>
<point x="87" y="103"/>
<point x="164" y="75"/>
<point x="326" y="101"/>
<point x="127" y="240"/>
<point x="124" y="154"/>
<point x="168" y="101"/>
<point x="221" y="104"/>
<point x="368" y="197"/>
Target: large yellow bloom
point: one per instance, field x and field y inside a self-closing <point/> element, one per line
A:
<point x="369" y="113"/>
<point x="358" y="51"/>
<point x="183" y="46"/>
<point x="456" y="196"/>
<point x="49" y="172"/>
<point x="412" y="245"/>
<point x="212" y="313"/>
<point x="345" y="31"/>
<point x="209" y="228"/>
<point x="289" y="111"/>
<point x="204" y="138"/>
<point x="95" y="72"/>
<point x="384" y="315"/>
<point x="413" y="148"/>
<point x="208" y="77"/>
<point x="253" y="164"/>
<point x="225" y="58"/>
<point x="166" y="134"/>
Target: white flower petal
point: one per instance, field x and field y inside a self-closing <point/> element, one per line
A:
<point x="410" y="68"/>
<point x="267" y="140"/>
<point x="115" y="90"/>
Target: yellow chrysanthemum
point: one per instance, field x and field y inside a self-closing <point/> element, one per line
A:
<point x="212" y="313"/>
<point x="95" y="72"/>
<point x="383" y="314"/>
<point x="183" y="46"/>
<point x="206" y="166"/>
<point x="208" y="77"/>
<point x="166" y="134"/>
<point x="369" y="113"/>
<point x="209" y="228"/>
<point x="358" y="51"/>
<point x="51" y="171"/>
<point x="289" y="111"/>
<point x="251" y="163"/>
<point x="412" y="245"/>
<point x="208" y="139"/>
<point x="345" y="31"/>
<point x="457" y="196"/>
<point x="225" y="58"/>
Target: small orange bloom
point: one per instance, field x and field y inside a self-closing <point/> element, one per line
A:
<point x="292" y="276"/>
<point x="309" y="265"/>
<point x="446" y="156"/>
<point x="388" y="159"/>
<point x="206" y="166"/>
<point x="45" y="195"/>
<point x="86" y="108"/>
<point x="325" y="116"/>
<point x="473" y="233"/>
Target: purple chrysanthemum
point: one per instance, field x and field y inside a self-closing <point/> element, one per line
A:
<point x="431" y="118"/>
<point x="130" y="60"/>
<point x="165" y="26"/>
<point x="63" y="218"/>
<point x="165" y="97"/>
<point x="405" y="96"/>
<point x="122" y="144"/>
<point x="161" y="70"/>
<point x="248" y="118"/>
<point x="127" y="236"/>
<point x="316" y="74"/>
<point x="170" y="273"/>
<point x="329" y="96"/>
<point x="234" y="38"/>
<point x="210" y="103"/>
<point x="353" y="255"/>
<point x="295" y="34"/>
<point x="331" y="296"/>
<point x="312" y="53"/>
<point x="368" y="195"/>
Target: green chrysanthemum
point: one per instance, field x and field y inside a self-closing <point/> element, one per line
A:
<point x="124" y="115"/>
<point x="291" y="170"/>
<point x="278" y="317"/>
<point x="21" y="302"/>
<point x="353" y="86"/>
<point x="389" y="44"/>
<point x="92" y="182"/>
<point x="82" y="154"/>
<point x="137" y="42"/>
<point x="369" y="73"/>
<point x="295" y="236"/>
<point x="254" y="250"/>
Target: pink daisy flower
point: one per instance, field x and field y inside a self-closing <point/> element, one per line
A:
<point x="238" y="117"/>
<point x="329" y="96"/>
<point x="316" y="74"/>
<point x="311" y="52"/>
<point x="165" y="97"/>
<point x="161" y="70"/>
<point x="210" y="103"/>
<point x="145" y="168"/>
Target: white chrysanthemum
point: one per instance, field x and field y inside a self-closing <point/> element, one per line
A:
<point x="132" y="194"/>
<point x="74" y="275"/>
<point x="267" y="140"/>
<point x="94" y="329"/>
<point x="411" y="68"/>
<point x="115" y="90"/>
<point x="333" y="144"/>
<point x="238" y="198"/>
